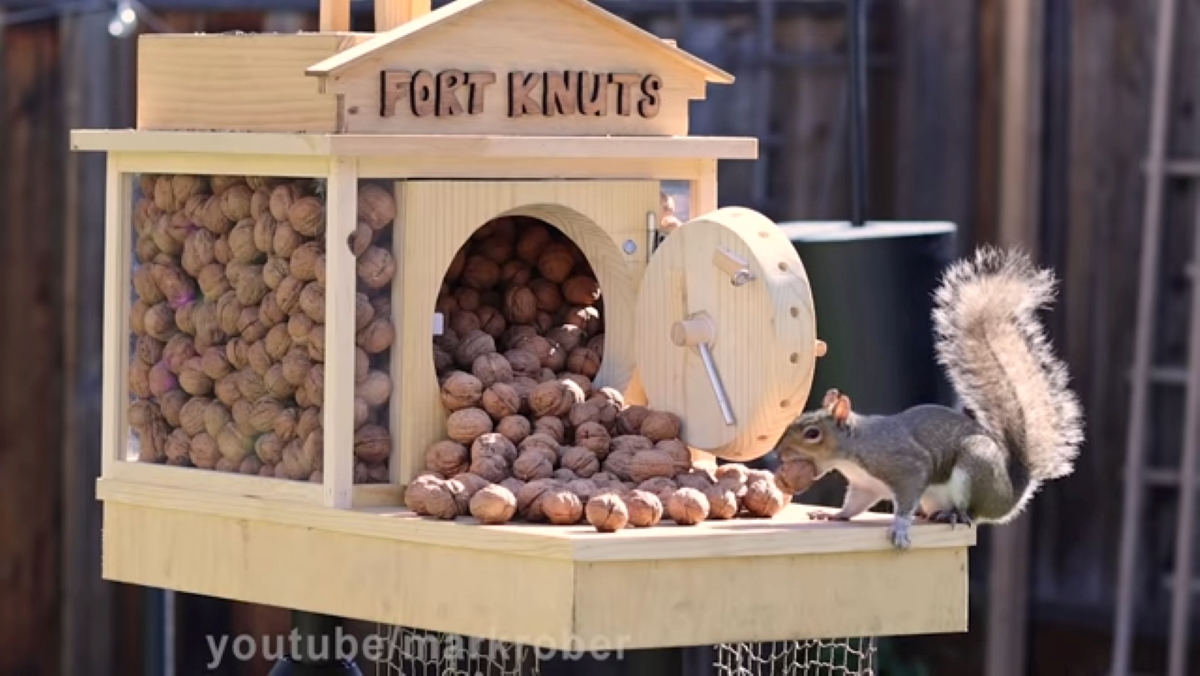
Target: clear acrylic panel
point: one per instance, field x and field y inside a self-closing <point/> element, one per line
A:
<point x="375" y="271"/>
<point x="227" y="323"/>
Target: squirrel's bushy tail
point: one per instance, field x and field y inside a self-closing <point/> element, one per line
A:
<point x="996" y="354"/>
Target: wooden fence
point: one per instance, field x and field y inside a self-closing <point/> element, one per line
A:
<point x="936" y="114"/>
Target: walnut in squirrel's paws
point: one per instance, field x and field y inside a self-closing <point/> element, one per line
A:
<point x="898" y="534"/>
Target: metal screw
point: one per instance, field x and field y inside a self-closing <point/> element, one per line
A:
<point x="629" y="247"/>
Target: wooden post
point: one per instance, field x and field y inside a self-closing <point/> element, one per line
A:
<point x="1017" y="225"/>
<point x="335" y="16"/>
<point x="392" y="13"/>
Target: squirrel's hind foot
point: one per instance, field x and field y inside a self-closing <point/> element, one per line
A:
<point x="953" y="516"/>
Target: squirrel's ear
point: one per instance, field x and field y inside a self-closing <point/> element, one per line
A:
<point x="831" y="399"/>
<point x="841" y="409"/>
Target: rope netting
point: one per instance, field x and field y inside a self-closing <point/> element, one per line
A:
<point x="413" y="652"/>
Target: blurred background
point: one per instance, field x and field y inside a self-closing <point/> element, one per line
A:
<point x="1056" y="125"/>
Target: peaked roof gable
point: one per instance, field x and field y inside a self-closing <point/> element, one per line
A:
<point x="347" y="58"/>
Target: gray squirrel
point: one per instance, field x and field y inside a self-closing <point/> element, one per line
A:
<point x="1022" y="425"/>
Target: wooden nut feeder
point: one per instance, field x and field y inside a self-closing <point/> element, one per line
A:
<point x="308" y="233"/>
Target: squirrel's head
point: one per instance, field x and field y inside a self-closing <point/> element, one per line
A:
<point x="814" y="435"/>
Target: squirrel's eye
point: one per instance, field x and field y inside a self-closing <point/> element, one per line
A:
<point x="812" y="433"/>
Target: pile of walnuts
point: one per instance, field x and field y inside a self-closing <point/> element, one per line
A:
<point x="528" y="435"/>
<point x="227" y="370"/>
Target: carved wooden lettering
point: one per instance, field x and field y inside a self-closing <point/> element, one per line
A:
<point x="625" y="83"/>
<point x="559" y="93"/>
<point x="521" y="86"/>
<point x="424" y="94"/>
<point x="447" y="103"/>
<point x="455" y="93"/>
<point x="395" y="86"/>
<point x="651" y="100"/>
<point x="593" y="94"/>
<point x="476" y="82"/>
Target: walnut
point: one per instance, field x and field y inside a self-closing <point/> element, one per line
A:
<point x="678" y="451"/>
<point x="551" y="427"/>
<point x="795" y="475"/>
<point x="581" y="461"/>
<point x="376" y="206"/>
<point x="732" y="475"/>
<point x="159" y="322"/>
<point x="191" y="415"/>
<point x="263" y="414"/>
<point x="492" y="368"/>
<point x="461" y="390"/>
<point x="264" y="233"/>
<point x="581" y="290"/>
<point x="171" y="406"/>
<point x="252" y="465"/>
<point x="534" y="239"/>
<point x="203" y="451"/>
<point x="722" y="502"/>
<point x="554" y="398"/>
<point x="524" y="387"/>
<point x="607" y="512"/>
<point x="375" y="389"/>
<point x="269" y="448"/>
<point x="447" y="457"/>
<point x="285" y="240"/>
<point x="361" y="238"/>
<point x="500" y="401"/>
<point x="463" y="322"/>
<point x="629" y="421"/>
<point x="241" y="243"/>
<point x="586" y="318"/>
<point x="520" y="305"/>
<point x="618" y="463"/>
<point x="145" y="287"/>
<point x="177" y="352"/>
<point x="376" y="267"/>
<point x="530" y="498"/>
<point x="514" y="428"/>
<point x="549" y="355"/>
<point x="307" y="216"/>
<point x="687" y="507"/>
<point x="630" y="443"/>
<point x="192" y="378"/>
<point x="660" y="425"/>
<point x="583" y="412"/>
<point x="564" y="475"/>
<point x="471" y="346"/>
<point x="645" y="508"/>
<point x="549" y="298"/>
<point x="562" y="507"/>
<point x="296" y="365"/>
<point x="523" y="363"/>
<point x="649" y="464"/>
<point x="663" y="487"/>
<point x="310" y="419"/>
<point x="556" y="262"/>
<point x="697" y="478"/>
<point x="542" y="444"/>
<point x="497" y="248"/>
<point x="362" y="413"/>
<point x="372" y="444"/>
<point x="161" y="380"/>
<point x="284" y="426"/>
<point x="593" y="436"/>
<point x="316" y="342"/>
<point x="494" y="504"/>
<point x="480" y="273"/>
<point x="235" y="202"/>
<point x="416" y="494"/>
<point x="216" y="417"/>
<point x="763" y="499"/>
<point x="234" y="444"/>
<point x="531" y="465"/>
<point x="584" y="361"/>
<point x="260" y="362"/>
<point x="314" y="385"/>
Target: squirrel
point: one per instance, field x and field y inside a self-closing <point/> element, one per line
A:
<point x="1021" y="425"/>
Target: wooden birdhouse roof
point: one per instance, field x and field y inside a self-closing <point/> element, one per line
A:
<point x="535" y="16"/>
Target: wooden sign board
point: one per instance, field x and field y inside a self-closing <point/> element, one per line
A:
<point x="516" y="67"/>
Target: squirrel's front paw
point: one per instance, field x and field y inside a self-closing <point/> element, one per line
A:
<point x="827" y="516"/>
<point x="898" y="534"/>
